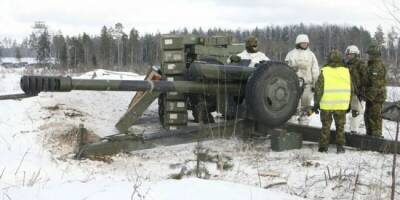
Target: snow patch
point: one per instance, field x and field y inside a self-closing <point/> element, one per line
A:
<point x="111" y="75"/>
<point x="193" y="189"/>
<point x="14" y="60"/>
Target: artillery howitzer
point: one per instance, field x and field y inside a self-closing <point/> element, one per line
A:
<point x="194" y="76"/>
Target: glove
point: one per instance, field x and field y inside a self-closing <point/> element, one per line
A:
<point x="316" y="108"/>
<point x="235" y="58"/>
<point x="360" y="97"/>
<point x="354" y="113"/>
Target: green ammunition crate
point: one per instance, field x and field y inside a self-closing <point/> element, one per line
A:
<point x="172" y="42"/>
<point x="175" y="118"/>
<point x="175" y="106"/>
<point x="218" y="51"/>
<point x="282" y="140"/>
<point x="173" y="68"/>
<point x="175" y="96"/>
<point x="218" y="40"/>
<point x="173" y="56"/>
<point x="191" y="40"/>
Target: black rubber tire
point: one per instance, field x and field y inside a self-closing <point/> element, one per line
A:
<point x="272" y="93"/>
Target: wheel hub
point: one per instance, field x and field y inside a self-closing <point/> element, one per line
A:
<point x="276" y="94"/>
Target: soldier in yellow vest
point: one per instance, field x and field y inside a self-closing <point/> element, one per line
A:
<point x="332" y="98"/>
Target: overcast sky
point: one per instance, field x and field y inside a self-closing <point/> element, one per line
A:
<point x="149" y="16"/>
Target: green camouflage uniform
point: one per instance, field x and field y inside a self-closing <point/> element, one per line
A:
<point x="326" y="119"/>
<point x="356" y="67"/>
<point x="327" y="116"/>
<point x="374" y="91"/>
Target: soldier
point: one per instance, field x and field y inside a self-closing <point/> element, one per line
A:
<point x="250" y="53"/>
<point x="303" y="60"/>
<point x="374" y="91"/>
<point x="332" y="97"/>
<point x="355" y="65"/>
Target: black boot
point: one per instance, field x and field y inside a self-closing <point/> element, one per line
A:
<point x="340" y="149"/>
<point x="322" y="149"/>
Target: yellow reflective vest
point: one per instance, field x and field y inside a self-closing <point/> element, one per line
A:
<point x="337" y="88"/>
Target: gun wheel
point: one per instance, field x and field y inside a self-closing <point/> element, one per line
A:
<point x="272" y="93"/>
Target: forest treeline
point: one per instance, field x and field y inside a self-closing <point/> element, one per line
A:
<point x="114" y="47"/>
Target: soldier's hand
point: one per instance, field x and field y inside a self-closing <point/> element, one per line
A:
<point x="263" y="61"/>
<point x="316" y="108"/>
<point x="235" y="58"/>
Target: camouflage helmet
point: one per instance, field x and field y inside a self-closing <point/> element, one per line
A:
<point x="251" y="44"/>
<point x="374" y="49"/>
<point x="335" y="56"/>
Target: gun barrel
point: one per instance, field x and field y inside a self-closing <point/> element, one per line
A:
<point x="220" y="72"/>
<point x="36" y="84"/>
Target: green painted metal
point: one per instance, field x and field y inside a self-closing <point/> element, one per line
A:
<point x="236" y="128"/>
<point x="127" y="143"/>
<point x="136" y="111"/>
<point x="282" y="140"/>
<point x="202" y="70"/>
<point x="219" y="53"/>
<point x="15" y="96"/>
<point x="38" y="84"/>
<point x="362" y="142"/>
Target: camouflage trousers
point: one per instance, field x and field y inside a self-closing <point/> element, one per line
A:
<point x="326" y="118"/>
<point x="373" y="118"/>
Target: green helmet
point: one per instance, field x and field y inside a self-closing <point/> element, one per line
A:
<point x="335" y="57"/>
<point x="252" y="44"/>
<point x="374" y="49"/>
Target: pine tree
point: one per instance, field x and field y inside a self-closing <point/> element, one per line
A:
<point x="76" y="52"/>
<point x="105" y="47"/>
<point x="391" y="50"/>
<point x="87" y="48"/>
<point x="124" y="49"/>
<point x="59" y="46"/>
<point x="63" y="55"/>
<point x="133" y="45"/>
<point x="118" y="34"/>
<point x="379" y="36"/>
<point x="43" y="48"/>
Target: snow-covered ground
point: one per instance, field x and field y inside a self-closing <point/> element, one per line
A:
<point x="36" y="157"/>
<point x="28" y="60"/>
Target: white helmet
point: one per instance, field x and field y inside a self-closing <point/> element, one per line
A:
<point x="302" y="38"/>
<point x="352" y="49"/>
